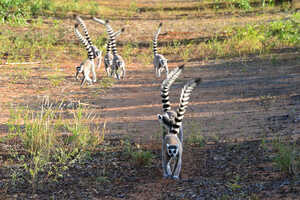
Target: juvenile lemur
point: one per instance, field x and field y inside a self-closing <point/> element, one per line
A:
<point x="172" y="141"/>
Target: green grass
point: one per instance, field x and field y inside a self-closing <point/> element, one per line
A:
<point x="49" y="142"/>
<point x="32" y="45"/>
<point x="19" y="11"/>
<point x="141" y="158"/>
<point x="20" y="73"/>
<point x="240" y="41"/>
<point x="106" y="82"/>
<point x="48" y="39"/>
<point x="138" y="156"/>
<point x="286" y="157"/>
<point x="55" y="79"/>
<point x="195" y="136"/>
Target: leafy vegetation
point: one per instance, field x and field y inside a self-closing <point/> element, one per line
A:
<point x="18" y="11"/>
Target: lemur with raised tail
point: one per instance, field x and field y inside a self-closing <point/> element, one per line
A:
<point x="97" y="53"/>
<point x="86" y="66"/>
<point x="172" y="141"/>
<point x="117" y="63"/>
<point x="159" y="61"/>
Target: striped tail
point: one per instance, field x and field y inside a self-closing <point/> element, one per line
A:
<point x="100" y="21"/>
<point x="112" y="39"/>
<point x="108" y="47"/>
<point x="110" y="32"/>
<point x="184" y="100"/>
<point x="155" y="39"/>
<point x="106" y="24"/>
<point x="86" y="33"/>
<point x="165" y="86"/>
<point x="88" y="47"/>
<point x="115" y="35"/>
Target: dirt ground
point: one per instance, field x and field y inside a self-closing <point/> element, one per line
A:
<point x="239" y="102"/>
<point x="238" y="99"/>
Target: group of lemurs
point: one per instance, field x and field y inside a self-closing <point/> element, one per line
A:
<point x="171" y="120"/>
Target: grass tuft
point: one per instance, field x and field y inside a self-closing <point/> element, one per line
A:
<point x="286" y="158"/>
<point x="46" y="144"/>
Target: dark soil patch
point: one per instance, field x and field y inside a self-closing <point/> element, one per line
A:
<point x="239" y="170"/>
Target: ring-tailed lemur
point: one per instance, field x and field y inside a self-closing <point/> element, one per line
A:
<point x="172" y="144"/>
<point x="86" y="66"/>
<point x="108" y="58"/>
<point x="117" y="64"/>
<point x="97" y="52"/>
<point x="160" y="62"/>
<point x="109" y="62"/>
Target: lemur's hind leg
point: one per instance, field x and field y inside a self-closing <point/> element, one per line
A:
<point x="123" y="72"/>
<point x="93" y="68"/>
<point x="167" y="70"/>
<point x="159" y="70"/>
<point x="77" y="74"/>
<point x="166" y="170"/>
<point x="86" y="76"/>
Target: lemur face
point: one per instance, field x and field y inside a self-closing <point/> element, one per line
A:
<point x="172" y="150"/>
<point x="78" y="70"/>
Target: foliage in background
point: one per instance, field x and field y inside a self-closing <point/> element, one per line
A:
<point x="18" y="11"/>
<point x="242" y="4"/>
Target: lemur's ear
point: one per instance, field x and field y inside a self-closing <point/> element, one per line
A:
<point x="168" y="145"/>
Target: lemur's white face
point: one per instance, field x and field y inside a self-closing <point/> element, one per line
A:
<point x="172" y="150"/>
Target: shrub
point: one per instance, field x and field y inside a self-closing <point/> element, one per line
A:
<point x="286" y="157"/>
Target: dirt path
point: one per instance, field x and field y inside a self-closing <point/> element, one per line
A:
<point x="237" y="99"/>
